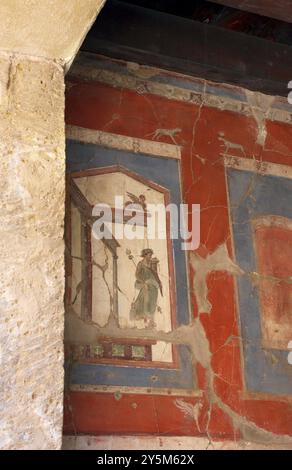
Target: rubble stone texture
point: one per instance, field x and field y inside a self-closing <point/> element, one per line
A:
<point x="32" y="253"/>
<point x="38" y="41"/>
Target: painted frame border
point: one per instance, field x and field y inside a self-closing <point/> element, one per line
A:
<point x="253" y="195"/>
<point x="166" y="173"/>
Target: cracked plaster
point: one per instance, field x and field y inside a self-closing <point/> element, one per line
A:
<point x="261" y="109"/>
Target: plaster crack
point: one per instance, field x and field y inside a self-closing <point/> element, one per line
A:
<point x="219" y="260"/>
<point x="260" y="106"/>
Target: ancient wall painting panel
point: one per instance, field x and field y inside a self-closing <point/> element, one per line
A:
<point x="273" y="248"/>
<point x="132" y="291"/>
<point x="261" y="217"/>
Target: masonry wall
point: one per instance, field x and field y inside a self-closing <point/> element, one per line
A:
<point x="236" y="163"/>
<point x="32" y="252"/>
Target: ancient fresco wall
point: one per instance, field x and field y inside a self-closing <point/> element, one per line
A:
<point x="212" y="360"/>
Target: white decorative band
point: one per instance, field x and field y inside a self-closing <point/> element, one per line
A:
<point x="136" y="390"/>
<point x="257" y="166"/>
<point x="121" y="142"/>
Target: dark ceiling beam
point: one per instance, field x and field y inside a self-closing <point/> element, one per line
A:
<point x="145" y="36"/>
<point x="278" y="9"/>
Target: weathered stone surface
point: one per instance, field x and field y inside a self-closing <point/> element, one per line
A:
<point x="51" y="28"/>
<point x="32" y="251"/>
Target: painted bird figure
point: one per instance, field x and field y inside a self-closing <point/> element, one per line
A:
<point x="190" y="410"/>
<point x="139" y="200"/>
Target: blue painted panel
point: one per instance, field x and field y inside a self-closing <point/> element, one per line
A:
<point x="165" y="172"/>
<point x="98" y="374"/>
<point x="253" y="195"/>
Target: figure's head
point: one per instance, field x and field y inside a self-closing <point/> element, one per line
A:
<point x="146" y="253"/>
<point x="142" y="198"/>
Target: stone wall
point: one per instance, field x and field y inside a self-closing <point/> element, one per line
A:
<point x="38" y="42"/>
<point x="51" y="29"/>
<point x="32" y="252"/>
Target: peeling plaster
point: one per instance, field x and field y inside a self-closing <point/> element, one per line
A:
<point x="219" y="260"/>
<point x="141" y="71"/>
<point x="194" y="335"/>
<point x="260" y="106"/>
<point x="223" y="97"/>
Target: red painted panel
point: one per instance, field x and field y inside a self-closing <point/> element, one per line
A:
<point x="274" y="254"/>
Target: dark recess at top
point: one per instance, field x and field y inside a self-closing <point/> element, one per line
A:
<point x="197" y="38"/>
